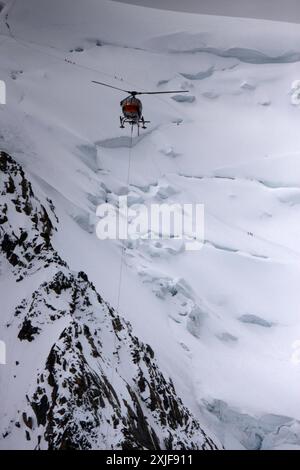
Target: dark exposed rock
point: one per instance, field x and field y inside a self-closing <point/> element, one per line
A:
<point x="27" y="331"/>
<point x="27" y="420"/>
<point x="40" y="409"/>
<point x="34" y="242"/>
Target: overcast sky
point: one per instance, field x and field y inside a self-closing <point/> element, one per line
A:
<point x="280" y="10"/>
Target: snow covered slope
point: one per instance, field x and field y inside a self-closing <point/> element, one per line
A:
<point x="224" y="321"/>
<point x="92" y="383"/>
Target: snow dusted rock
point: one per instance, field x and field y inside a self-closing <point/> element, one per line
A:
<point x="295" y="93"/>
<point x="25" y="226"/>
<point x="106" y="389"/>
<point x="98" y="387"/>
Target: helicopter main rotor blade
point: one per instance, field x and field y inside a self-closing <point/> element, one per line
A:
<point x="110" y="86"/>
<point x="160" y="92"/>
<point x="134" y="93"/>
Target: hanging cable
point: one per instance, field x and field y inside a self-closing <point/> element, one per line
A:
<point x="123" y="249"/>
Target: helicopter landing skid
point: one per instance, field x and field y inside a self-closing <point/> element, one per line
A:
<point x="138" y="122"/>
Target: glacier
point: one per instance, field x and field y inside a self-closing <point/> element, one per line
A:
<point x="210" y="333"/>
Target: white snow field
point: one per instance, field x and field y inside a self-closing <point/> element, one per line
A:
<point x="223" y="321"/>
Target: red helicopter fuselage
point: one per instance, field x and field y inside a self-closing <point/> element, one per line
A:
<point x="132" y="112"/>
<point x="132" y="108"/>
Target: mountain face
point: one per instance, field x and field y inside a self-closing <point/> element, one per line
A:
<point x="223" y="320"/>
<point x="97" y="386"/>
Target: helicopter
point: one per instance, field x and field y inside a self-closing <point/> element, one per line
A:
<point x="132" y="107"/>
